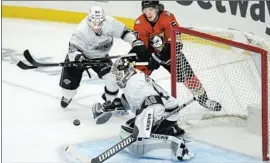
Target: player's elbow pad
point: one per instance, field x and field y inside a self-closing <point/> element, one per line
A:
<point x="139" y="48"/>
<point x="128" y="36"/>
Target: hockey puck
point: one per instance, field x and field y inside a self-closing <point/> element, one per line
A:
<point x="76" y="122"/>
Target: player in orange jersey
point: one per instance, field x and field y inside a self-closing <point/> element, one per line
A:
<point x="154" y="28"/>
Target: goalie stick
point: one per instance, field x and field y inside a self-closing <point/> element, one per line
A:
<point x="120" y="145"/>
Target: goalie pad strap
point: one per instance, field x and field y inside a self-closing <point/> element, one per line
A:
<point x="151" y="100"/>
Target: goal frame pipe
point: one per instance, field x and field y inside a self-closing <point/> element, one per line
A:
<point x="264" y="75"/>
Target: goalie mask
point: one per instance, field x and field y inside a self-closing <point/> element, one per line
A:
<point x="122" y="71"/>
<point x="96" y="19"/>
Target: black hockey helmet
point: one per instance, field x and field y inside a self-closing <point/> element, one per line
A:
<point x="146" y="4"/>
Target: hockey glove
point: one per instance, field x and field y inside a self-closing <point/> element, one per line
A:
<point x="103" y="112"/>
<point x="154" y="61"/>
<point x="116" y="107"/>
<point x="156" y="41"/>
<point x="100" y="114"/>
<point x="76" y="56"/>
<point x="139" y="48"/>
<point x="120" y="110"/>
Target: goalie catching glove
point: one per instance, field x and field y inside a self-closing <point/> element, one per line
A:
<point x="103" y="112"/>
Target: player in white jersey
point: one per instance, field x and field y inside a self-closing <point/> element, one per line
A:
<point x="93" y="38"/>
<point x="149" y="102"/>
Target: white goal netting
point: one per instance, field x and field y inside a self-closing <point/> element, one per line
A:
<point x="222" y="71"/>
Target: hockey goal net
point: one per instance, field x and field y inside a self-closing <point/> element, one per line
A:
<point x="232" y="67"/>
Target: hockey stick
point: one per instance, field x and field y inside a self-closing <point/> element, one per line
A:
<point x="89" y="62"/>
<point x="20" y="64"/>
<point x="122" y="144"/>
<point x="24" y="66"/>
<point x="146" y="63"/>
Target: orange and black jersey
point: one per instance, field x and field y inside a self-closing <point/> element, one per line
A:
<point x="162" y="27"/>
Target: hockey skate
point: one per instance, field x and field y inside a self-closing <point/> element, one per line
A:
<point x="183" y="153"/>
<point x="65" y="102"/>
<point x="209" y="104"/>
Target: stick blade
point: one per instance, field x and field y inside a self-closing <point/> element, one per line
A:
<point x="28" y="56"/>
<point x="78" y="155"/>
<point x="24" y="66"/>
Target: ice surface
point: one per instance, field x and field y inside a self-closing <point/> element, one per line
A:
<point x="203" y="153"/>
<point x="34" y="126"/>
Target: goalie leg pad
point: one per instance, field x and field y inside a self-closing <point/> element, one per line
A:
<point x="151" y="109"/>
<point x="157" y="146"/>
<point x="143" y="123"/>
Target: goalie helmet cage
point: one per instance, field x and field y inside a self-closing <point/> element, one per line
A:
<point x="198" y="46"/>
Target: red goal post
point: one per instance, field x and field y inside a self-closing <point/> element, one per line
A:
<point x="199" y="44"/>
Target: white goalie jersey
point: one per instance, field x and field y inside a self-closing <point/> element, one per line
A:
<point x="93" y="46"/>
<point x="137" y="89"/>
<point x="140" y="86"/>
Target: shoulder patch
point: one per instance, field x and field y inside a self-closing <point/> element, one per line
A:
<point x="168" y="13"/>
<point x="137" y="21"/>
<point x="173" y="24"/>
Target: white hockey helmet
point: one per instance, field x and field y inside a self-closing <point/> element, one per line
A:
<point x="96" y="19"/>
<point x="122" y="70"/>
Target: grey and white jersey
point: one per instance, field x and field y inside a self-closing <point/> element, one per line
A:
<point x="93" y="46"/>
<point x="137" y="89"/>
<point x="140" y="86"/>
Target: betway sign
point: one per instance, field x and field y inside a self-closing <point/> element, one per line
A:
<point x="258" y="10"/>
